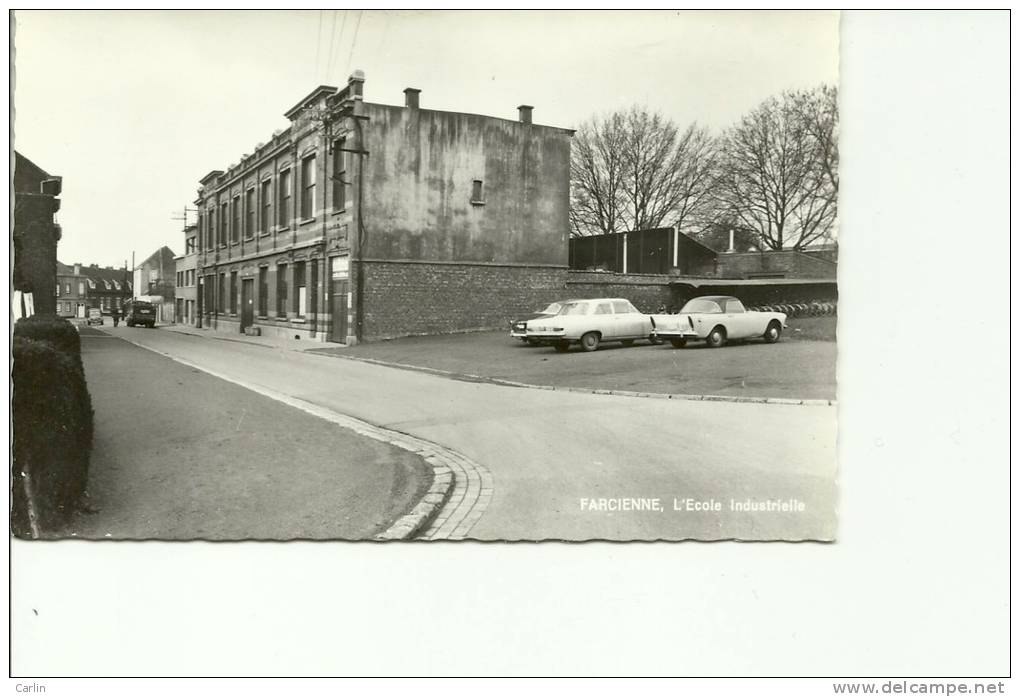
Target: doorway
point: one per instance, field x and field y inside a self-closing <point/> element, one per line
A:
<point x="340" y="275"/>
<point x="247" y="303"/>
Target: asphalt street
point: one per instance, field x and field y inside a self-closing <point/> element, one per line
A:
<point x="179" y="454"/>
<point x="550" y="452"/>
<point x="790" y="369"/>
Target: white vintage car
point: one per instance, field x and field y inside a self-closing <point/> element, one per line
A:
<point x="717" y="319"/>
<point x="519" y="327"/>
<point x="590" y="323"/>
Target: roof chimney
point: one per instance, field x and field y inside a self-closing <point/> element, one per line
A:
<point x="411" y="97"/>
<point x="524" y="112"/>
<point x="355" y="84"/>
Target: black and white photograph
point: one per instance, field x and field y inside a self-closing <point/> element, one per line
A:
<point x="387" y="343"/>
<point x="341" y="293"/>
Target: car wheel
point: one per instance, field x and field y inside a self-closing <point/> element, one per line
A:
<point x="627" y="342"/>
<point x="590" y="341"/>
<point x="716" y="338"/>
<point x="130" y="323"/>
<point x="562" y="346"/>
<point x="532" y="342"/>
<point x="678" y="343"/>
<point x="772" y="333"/>
<point x="655" y="341"/>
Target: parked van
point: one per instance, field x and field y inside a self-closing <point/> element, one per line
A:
<point x="140" y="312"/>
<point x="95" y="316"/>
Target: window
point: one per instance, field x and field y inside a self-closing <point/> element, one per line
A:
<point x="308" y="187"/>
<point x="210" y="226"/>
<point x="235" y="219"/>
<point x="263" y="291"/>
<point x="339" y="175"/>
<point x="198" y="235"/>
<point x="622" y="307"/>
<point x="284" y="207"/>
<point x="189" y="245"/>
<point x="476" y="192"/>
<point x="221" y="236"/>
<point x="222" y="304"/>
<point x="734" y="306"/>
<point x="233" y="292"/>
<point x="58" y="292"/>
<point x="249" y="214"/>
<point x="267" y="206"/>
<point x="67" y="289"/>
<point x="281" y="290"/>
<point x="603" y="309"/>
<point x="81" y="288"/>
<point x="300" y="291"/>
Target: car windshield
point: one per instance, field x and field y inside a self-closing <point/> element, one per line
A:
<point x="702" y="305"/>
<point x="553" y="309"/>
<point x="574" y="309"/>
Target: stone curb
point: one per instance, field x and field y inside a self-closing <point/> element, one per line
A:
<point x="436" y="456"/>
<point x="587" y="390"/>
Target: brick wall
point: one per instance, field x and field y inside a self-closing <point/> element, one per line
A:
<point x="647" y="292"/>
<point x="788" y="264"/>
<point x="408" y="298"/>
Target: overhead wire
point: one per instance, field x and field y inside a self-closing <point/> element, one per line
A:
<point x="318" y="46"/>
<point x="332" y="40"/>
<point x="354" y="41"/>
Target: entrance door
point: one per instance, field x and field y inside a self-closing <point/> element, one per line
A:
<point x="339" y="285"/>
<point x="247" y="302"/>
<point x="338" y="310"/>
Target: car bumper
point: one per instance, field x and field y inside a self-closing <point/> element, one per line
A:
<point x="547" y="337"/>
<point x="675" y="334"/>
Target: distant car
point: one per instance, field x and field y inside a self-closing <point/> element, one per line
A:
<point x="716" y="319"/>
<point x="95" y="316"/>
<point x="140" y="312"/>
<point x="590" y="323"/>
<point x="519" y="327"/>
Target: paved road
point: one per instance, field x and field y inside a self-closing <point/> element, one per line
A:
<point x="179" y="454"/>
<point x="547" y="450"/>
<point x="790" y="369"/>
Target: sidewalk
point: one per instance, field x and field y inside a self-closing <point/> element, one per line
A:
<point x="268" y="342"/>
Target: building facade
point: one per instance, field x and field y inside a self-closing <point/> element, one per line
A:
<point x="186" y="280"/>
<point x="81" y="287"/>
<point x="365" y="220"/>
<point x="35" y="237"/>
<point x="154" y="280"/>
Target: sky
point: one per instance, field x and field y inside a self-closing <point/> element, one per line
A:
<point x="132" y="108"/>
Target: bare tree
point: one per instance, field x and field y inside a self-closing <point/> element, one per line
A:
<point x="596" y="176"/>
<point x="634" y="170"/>
<point x="779" y="176"/>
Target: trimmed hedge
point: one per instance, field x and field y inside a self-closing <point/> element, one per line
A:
<point x="53" y="427"/>
<point x="56" y="330"/>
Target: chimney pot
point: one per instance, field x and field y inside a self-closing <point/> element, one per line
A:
<point x="524" y="113"/>
<point x="411" y="97"/>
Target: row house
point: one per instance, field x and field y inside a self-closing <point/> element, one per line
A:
<point x="186" y="280"/>
<point x="82" y="287"/>
<point x="364" y="220"/>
